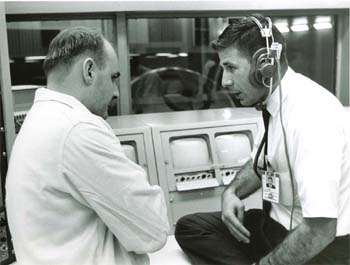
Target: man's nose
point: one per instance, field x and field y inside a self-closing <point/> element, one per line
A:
<point x="116" y="93"/>
<point x="226" y="80"/>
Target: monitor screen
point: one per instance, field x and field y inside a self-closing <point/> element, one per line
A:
<point x="130" y="151"/>
<point x="189" y="152"/>
<point x="233" y="148"/>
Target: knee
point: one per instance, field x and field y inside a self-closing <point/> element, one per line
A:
<point x="195" y="229"/>
<point x="195" y="224"/>
<point x="186" y="229"/>
<point x="185" y="224"/>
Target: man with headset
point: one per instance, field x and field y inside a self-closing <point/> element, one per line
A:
<point x="307" y="152"/>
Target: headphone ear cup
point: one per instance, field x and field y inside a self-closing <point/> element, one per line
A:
<point x="261" y="68"/>
<point x="266" y="68"/>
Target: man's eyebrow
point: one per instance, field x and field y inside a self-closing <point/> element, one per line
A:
<point x="229" y="63"/>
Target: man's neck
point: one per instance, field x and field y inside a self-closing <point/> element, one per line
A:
<point x="261" y="104"/>
<point x="64" y="87"/>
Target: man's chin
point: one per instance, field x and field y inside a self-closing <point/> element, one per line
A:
<point x="249" y="103"/>
<point x="245" y="103"/>
<point x="105" y="115"/>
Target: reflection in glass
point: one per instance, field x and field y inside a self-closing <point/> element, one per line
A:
<point x="29" y="41"/>
<point x="175" y="89"/>
<point x="172" y="66"/>
<point x="164" y="49"/>
<point x="28" y="44"/>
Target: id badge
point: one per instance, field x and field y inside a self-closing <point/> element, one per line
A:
<point x="271" y="186"/>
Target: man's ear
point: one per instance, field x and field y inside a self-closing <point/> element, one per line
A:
<point x="89" y="68"/>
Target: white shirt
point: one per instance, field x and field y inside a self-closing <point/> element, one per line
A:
<point x="73" y="197"/>
<point x="318" y="140"/>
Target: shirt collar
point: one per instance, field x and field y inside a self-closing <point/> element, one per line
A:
<point x="273" y="102"/>
<point x="44" y="94"/>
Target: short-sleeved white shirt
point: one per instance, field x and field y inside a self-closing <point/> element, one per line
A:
<point x="318" y="140"/>
<point x="73" y="197"/>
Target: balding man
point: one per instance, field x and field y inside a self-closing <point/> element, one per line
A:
<point x="73" y="197"/>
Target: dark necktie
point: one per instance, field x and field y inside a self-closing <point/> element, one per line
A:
<point x="263" y="143"/>
<point x="266" y="117"/>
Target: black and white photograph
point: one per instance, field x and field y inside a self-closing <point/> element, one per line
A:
<point x="183" y="132"/>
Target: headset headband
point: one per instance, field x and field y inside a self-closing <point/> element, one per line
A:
<point x="264" y="31"/>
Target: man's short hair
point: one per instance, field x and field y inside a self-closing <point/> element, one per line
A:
<point x="243" y="33"/>
<point x="72" y="42"/>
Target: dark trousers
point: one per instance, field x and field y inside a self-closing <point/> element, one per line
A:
<point x="207" y="241"/>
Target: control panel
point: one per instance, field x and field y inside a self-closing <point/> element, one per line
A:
<point x="19" y="117"/>
<point x="4" y="253"/>
<point x="196" y="180"/>
<point x="228" y="174"/>
<point x="6" y="250"/>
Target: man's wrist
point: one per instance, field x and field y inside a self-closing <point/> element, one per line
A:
<point x="230" y="189"/>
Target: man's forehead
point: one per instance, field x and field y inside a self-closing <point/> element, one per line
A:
<point x="232" y="55"/>
<point x="111" y="56"/>
<point x="231" y="50"/>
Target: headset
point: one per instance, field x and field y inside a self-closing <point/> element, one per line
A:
<point x="265" y="64"/>
<point x="262" y="65"/>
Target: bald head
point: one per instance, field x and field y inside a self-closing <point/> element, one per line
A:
<point x="72" y="43"/>
<point x="83" y="64"/>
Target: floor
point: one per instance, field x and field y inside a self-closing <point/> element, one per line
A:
<point x="171" y="253"/>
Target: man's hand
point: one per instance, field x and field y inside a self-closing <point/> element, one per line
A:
<point x="233" y="214"/>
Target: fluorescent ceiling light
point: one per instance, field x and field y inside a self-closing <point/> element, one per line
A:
<point x="323" y="25"/>
<point x="34" y="58"/>
<point x="282" y="27"/>
<point x="322" y="19"/>
<point x="166" y="54"/>
<point x="300" y="21"/>
<point x="300" y="27"/>
<point x="183" y="54"/>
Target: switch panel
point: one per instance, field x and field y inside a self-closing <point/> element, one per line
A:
<point x="193" y="181"/>
<point x="4" y="248"/>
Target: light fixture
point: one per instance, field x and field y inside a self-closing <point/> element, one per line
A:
<point x="300" y="24"/>
<point x="322" y="25"/>
<point x="322" y="19"/>
<point x="299" y="27"/>
<point x="34" y="58"/>
<point x="282" y="27"/>
<point x="183" y="54"/>
<point x="163" y="54"/>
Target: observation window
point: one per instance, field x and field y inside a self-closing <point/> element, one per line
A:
<point x="28" y="43"/>
<point x="173" y="67"/>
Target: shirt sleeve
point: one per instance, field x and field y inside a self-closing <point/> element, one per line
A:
<point x="115" y="188"/>
<point x="317" y="144"/>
